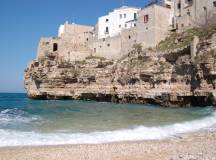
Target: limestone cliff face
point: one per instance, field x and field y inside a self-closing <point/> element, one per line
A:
<point x="169" y="78"/>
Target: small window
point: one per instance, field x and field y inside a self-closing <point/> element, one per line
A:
<point x="95" y="50"/>
<point x="103" y="39"/>
<point x="182" y="25"/>
<point x="214" y="3"/>
<point x="87" y="39"/>
<point x="107" y="30"/>
<point x="177" y="26"/>
<point x="125" y="25"/>
<point x="189" y="1"/>
<point x="120" y="16"/>
<point x="119" y="26"/>
<point x="146" y="18"/>
<point x="108" y="45"/>
<point x="135" y="15"/>
<point x="125" y="15"/>
<point x="205" y="8"/>
<point x="129" y="37"/>
<point x="55" y="47"/>
<point x="188" y="12"/>
<point x="179" y="5"/>
<point x="134" y="24"/>
<point x="107" y="20"/>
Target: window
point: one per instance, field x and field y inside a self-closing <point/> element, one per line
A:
<point x="55" y="47"/>
<point x="107" y="30"/>
<point x="134" y="24"/>
<point x="179" y="5"/>
<point x="95" y="50"/>
<point x="205" y="8"/>
<point x="125" y="25"/>
<point x="125" y="15"/>
<point x="182" y="25"/>
<point x="188" y="12"/>
<point x="189" y="1"/>
<point x="119" y="26"/>
<point x="146" y="18"/>
<point x="135" y="16"/>
<point x="108" y="45"/>
<point x="129" y="37"/>
<point x="120" y="16"/>
<point x="107" y="20"/>
<point x="87" y="39"/>
<point x="214" y="3"/>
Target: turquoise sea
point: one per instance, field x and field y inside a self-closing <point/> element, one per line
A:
<point x="36" y="122"/>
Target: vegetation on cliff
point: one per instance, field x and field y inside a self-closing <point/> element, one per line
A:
<point x="167" y="75"/>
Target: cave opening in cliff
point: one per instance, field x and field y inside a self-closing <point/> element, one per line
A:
<point x="55" y="47"/>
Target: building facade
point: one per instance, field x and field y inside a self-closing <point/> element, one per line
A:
<point x="113" y="23"/>
<point x="192" y="13"/>
<point x="115" y="34"/>
<point x="152" y="26"/>
<point x="72" y="44"/>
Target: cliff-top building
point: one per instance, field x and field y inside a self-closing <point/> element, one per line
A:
<point x="190" y="13"/>
<point x="113" y="23"/>
<point x="115" y="34"/>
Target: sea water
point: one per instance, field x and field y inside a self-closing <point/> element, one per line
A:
<point x="36" y="122"/>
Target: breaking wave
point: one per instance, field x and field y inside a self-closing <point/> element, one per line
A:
<point x="14" y="138"/>
<point x="10" y="116"/>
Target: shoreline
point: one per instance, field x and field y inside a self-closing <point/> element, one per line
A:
<point x="198" y="145"/>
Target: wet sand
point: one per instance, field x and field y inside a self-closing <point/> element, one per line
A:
<point x="194" y="146"/>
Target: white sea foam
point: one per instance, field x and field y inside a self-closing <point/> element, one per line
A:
<point x="13" y="138"/>
<point x="15" y="116"/>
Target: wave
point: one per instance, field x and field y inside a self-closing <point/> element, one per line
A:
<point x="8" y="116"/>
<point x="13" y="138"/>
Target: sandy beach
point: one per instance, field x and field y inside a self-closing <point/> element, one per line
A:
<point x="194" y="146"/>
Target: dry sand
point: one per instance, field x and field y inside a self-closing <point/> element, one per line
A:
<point x="196" y="146"/>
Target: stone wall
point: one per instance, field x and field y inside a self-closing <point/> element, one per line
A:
<point x="190" y="14"/>
<point x="46" y="46"/>
<point x="109" y="48"/>
<point x="76" y="42"/>
<point x="74" y="29"/>
<point x="73" y="44"/>
<point x="155" y="29"/>
<point x="149" y="34"/>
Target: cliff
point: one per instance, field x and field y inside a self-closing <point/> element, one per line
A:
<point x="175" y="74"/>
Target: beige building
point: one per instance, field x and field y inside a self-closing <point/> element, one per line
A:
<point x="152" y="26"/>
<point x="73" y="43"/>
<point x="190" y="13"/>
<point x="76" y="42"/>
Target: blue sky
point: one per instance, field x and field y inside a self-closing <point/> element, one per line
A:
<point x="23" y="22"/>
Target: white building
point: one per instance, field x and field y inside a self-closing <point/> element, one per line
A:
<point x="113" y="23"/>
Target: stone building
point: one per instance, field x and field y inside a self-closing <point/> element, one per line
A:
<point x="152" y="26"/>
<point x="127" y="26"/>
<point x="72" y="44"/>
<point x="190" y="13"/>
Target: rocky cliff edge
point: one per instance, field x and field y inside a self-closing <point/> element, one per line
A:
<point x="169" y="75"/>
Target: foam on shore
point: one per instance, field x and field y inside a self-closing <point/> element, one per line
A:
<point x="15" y="138"/>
